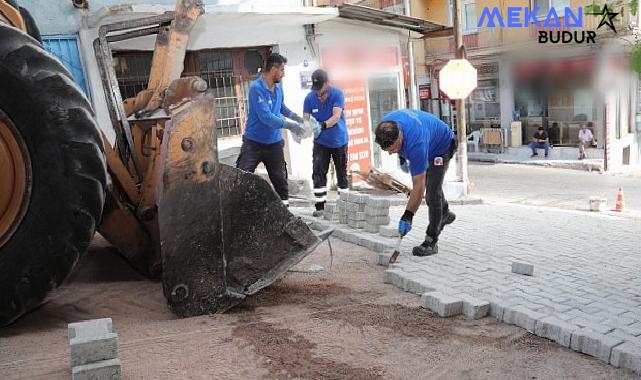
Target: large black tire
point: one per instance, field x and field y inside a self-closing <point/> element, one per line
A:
<point x="56" y="123"/>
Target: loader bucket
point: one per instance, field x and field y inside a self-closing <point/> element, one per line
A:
<point x="224" y="233"/>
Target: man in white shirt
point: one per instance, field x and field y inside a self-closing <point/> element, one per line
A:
<point x="586" y="138"/>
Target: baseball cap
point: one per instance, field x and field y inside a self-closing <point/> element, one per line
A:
<point x="319" y="77"/>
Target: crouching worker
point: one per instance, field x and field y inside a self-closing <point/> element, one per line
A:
<point x="428" y="144"/>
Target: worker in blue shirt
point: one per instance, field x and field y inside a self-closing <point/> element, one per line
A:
<point x="263" y="140"/>
<point x="428" y="144"/>
<point x="325" y="103"/>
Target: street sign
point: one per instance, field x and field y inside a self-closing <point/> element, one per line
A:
<point x="457" y="79"/>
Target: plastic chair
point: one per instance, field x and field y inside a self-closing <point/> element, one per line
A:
<point x="474" y="138"/>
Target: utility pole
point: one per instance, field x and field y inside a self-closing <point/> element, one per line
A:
<point x="410" y="52"/>
<point x="461" y="163"/>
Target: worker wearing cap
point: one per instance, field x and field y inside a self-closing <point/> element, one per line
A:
<point x="325" y="103"/>
<point x="428" y="144"/>
<point x="263" y="140"/>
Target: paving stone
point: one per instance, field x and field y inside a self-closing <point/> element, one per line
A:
<point x="376" y="211"/>
<point x="378" y="220"/>
<point x="354" y="207"/>
<point x="383" y="258"/>
<point x="617" y="333"/>
<point x="331" y="216"/>
<point x="342" y="219"/>
<point x="522" y="268"/>
<point x="522" y="317"/>
<point x="356" y="216"/>
<point x="392" y="276"/>
<point x="331" y="208"/>
<point x="474" y="308"/>
<point x="555" y="329"/>
<point x="341" y="204"/>
<point x="92" y="341"/>
<point x="442" y="304"/>
<point x="351" y="237"/>
<point x="358" y="224"/>
<point x="357" y="198"/>
<point x="372" y="228"/>
<point x="389" y="230"/>
<point x="102" y="370"/>
<point x="377" y="202"/>
<point x="375" y="245"/>
<point x="594" y="344"/>
<point x="343" y="195"/>
<point x="633" y="329"/>
<point x="627" y="355"/>
<point x="597" y="327"/>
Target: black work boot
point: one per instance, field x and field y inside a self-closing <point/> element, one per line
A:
<point x="448" y="218"/>
<point x="427" y="248"/>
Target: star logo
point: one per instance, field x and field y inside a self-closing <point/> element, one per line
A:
<point x="607" y="19"/>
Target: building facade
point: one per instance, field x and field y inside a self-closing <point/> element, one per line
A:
<point x="555" y="85"/>
<point x="228" y="46"/>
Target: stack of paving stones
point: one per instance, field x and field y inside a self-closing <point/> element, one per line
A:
<point x="377" y="216"/>
<point x="94" y="350"/>
<point x="355" y="209"/>
<point x="331" y="212"/>
<point x="341" y="205"/>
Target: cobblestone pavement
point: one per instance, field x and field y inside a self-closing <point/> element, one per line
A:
<point x="586" y="286"/>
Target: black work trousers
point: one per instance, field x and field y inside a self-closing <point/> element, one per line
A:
<point x="434" y="197"/>
<point x="273" y="156"/>
<point x="321" y="156"/>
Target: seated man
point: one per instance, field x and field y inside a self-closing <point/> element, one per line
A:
<point x="586" y="138"/>
<point x="540" y="141"/>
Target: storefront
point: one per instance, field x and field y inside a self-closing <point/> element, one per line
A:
<point x="369" y="70"/>
<point x="559" y="96"/>
<point x="483" y="106"/>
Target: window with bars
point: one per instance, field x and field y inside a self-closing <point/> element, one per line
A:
<point x="227" y="72"/>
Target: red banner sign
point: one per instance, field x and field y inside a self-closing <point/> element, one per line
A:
<point x="357" y="120"/>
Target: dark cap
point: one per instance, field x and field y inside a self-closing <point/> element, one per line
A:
<point x="319" y="78"/>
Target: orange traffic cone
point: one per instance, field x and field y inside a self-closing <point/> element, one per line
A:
<point x="619" y="205"/>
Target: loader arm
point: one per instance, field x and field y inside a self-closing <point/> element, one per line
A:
<point x="214" y="233"/>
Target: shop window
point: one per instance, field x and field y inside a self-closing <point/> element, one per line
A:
<point x="483" y="105"/>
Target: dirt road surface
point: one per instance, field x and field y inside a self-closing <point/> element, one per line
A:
<point x="345" y="324"/>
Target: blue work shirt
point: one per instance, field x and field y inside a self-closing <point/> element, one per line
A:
<point x="425" y="137"/>
<point x="336" y="136"/>
<point x="265" y="107"/>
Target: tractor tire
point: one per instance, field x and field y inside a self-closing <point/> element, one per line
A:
<point x="58" y="158"/>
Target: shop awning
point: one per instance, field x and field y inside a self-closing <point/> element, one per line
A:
<point x="239" y="25"/>
<point x="384" y="18"/>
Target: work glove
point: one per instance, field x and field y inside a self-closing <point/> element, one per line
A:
<point x="405" y="167"/>
<point x="296" y="118"/>
<point x="405" y="224"/>
<point x="316" y="127"/>
<point x="297" y="130"/>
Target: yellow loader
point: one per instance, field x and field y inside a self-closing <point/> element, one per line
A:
<point x="213" y="233"/>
